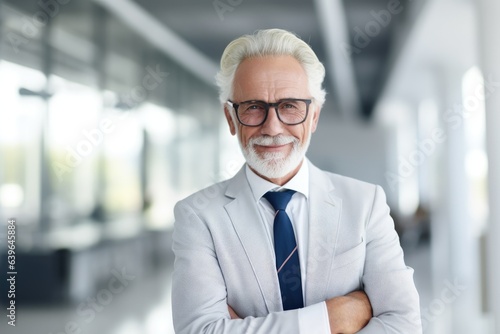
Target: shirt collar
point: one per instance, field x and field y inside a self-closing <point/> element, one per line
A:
<point x="260" y="186"/>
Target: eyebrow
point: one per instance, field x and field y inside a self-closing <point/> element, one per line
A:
<point x="284" y="98"/>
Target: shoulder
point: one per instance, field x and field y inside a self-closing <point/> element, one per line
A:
<point x="343" y="184"/>
<point x="206" y="198"/>
<point x="354" y="191"/>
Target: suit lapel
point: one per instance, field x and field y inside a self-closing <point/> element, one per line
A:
<point x="244" y="215"/>
<point x="324" y="222"/>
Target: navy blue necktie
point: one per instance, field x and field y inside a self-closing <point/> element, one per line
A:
<point x="287" y="255"/>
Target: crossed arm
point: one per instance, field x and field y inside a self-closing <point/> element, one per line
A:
<point x="346" y="314"/>
<point x="201" y="290"/>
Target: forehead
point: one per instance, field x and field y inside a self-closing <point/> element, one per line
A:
<point x="270" y="78"/>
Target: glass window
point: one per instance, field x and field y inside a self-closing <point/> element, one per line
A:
<point x="160" y="193"/>
<point x="474" y="95"/>
<point x="74" y="142"/>
<point x="122" y="163"/>
<point x="21" y="117"/>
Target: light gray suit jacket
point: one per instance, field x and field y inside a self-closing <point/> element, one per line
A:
<point x="222" y="257"/>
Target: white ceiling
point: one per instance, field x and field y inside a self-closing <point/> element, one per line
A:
<point x="437" y="43"/>
<point x="195" y="33"/>
<point x="208" y="26"/>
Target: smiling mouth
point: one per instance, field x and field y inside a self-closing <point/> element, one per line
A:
<point x="272" y="147"/>
<point x="268" y="144"/>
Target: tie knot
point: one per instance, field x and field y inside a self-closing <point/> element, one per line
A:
<point x="279" y="199"/>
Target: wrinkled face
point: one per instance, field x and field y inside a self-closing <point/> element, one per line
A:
<point x="273" y="150"/>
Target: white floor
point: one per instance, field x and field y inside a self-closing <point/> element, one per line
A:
<point x="144" y="307"/>
<point x="420" y="259"/>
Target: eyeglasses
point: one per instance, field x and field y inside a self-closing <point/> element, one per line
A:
<point x="254" y="113"/>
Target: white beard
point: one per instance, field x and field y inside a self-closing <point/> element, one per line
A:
<point x="275" y="165"/>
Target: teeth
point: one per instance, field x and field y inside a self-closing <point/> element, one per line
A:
<point x="273" y="141"/>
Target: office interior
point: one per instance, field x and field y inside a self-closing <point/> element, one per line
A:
<point x="109" y="115"/>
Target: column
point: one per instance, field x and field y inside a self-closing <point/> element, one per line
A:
<point x="460" y="291"/>
<point x="489" y="48"/>
<point x="455" y="307"/>
<point x="46" y="191"/>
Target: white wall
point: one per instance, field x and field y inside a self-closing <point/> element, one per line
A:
<point x="354" y="149"/>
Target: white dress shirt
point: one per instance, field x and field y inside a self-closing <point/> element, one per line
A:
<point x="314" y="318"/>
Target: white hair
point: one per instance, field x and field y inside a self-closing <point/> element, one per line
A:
<point x="270" y="42"/>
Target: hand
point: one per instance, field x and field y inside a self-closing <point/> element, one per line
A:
<point x="349" y="313"/>
<point x="232" y="313"/>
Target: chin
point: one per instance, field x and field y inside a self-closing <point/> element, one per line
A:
<point x="274" y="166"/>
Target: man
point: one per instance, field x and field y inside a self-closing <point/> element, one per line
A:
<point x="283" y="247"/>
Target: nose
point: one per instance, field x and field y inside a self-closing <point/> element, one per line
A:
<point x="272" y="126"/>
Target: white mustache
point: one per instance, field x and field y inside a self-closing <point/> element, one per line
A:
<point x="273" y="141"/>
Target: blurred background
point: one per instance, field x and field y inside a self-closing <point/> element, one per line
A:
<point x="109" y="115"/>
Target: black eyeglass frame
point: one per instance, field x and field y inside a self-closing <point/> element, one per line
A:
<point x="267" y="106"/>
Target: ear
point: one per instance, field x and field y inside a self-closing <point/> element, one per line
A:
<point x="315" y="118"/>
<point x="229" y="119"/>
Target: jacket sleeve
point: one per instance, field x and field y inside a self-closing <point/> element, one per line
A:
<point x="387" y="281"/>
<point x="199" y="303"/>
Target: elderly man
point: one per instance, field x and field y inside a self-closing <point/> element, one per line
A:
<point x="284" y="247"/>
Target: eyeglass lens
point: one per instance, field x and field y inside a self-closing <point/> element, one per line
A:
<point x="289" y="112"/>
